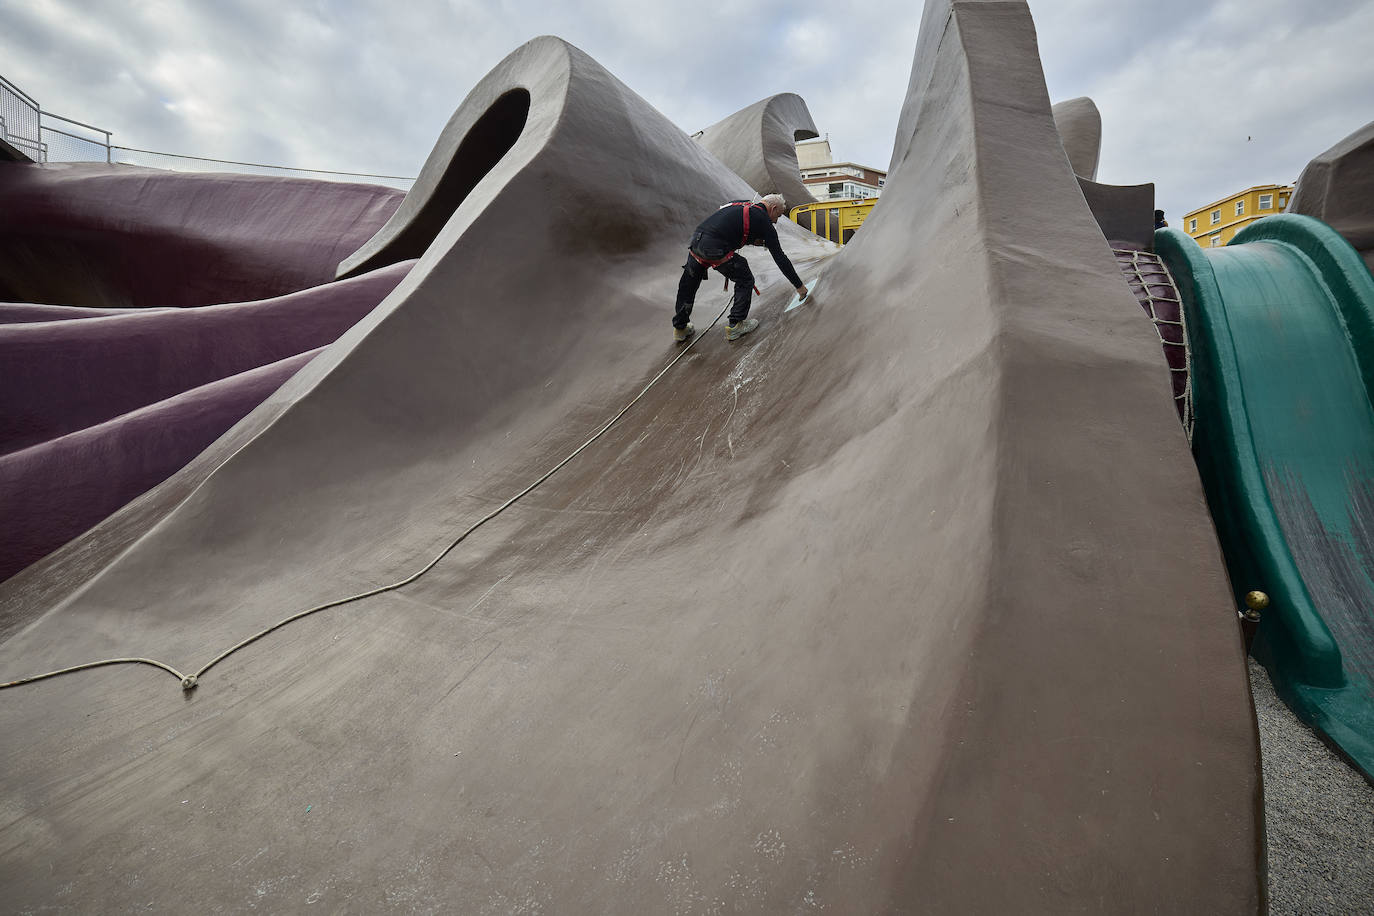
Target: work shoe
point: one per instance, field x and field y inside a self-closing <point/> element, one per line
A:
<point x="682" y="335"/>
<point x="736" y="331"/>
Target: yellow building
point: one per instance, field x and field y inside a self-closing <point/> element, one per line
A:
<point x="1217" y="223"/>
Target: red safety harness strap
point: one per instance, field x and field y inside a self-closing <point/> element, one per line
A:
<point x="743" y="239"/>
<point x="705" y="263"/>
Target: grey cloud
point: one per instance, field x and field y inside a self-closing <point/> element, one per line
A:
<point x="1276" y="71"/>
<point x="367" y="86"/>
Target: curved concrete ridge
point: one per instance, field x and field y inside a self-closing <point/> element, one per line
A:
<point x="911" y="587"/>
<point x="1075" y="483"/>
<point x="759" y="144"/>
<point x="122" y="236"/>
<point x="77" y="436"/>
<point x="1337" y="188"/>
<point x="96" y="410"/>
<point x="587" y="224"/>
<point x="63" y="375"/>
<point x="505" y="121"/>
<point x="1080" y="130"/>
<point x="1125" y="213"/>
<point x="53" y="491"/>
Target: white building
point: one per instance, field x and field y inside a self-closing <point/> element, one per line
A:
<point x="830" y="180"/>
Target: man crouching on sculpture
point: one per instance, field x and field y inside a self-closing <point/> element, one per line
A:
<point x="714" y="244"/>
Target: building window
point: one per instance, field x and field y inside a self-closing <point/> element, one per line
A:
<point x="1216" y="217"/>
<point x="1240" y="208"/>
<point x="1283" y="203"/>
<point x="882" y="182"/>
<point x="1266" y="202"/>
<point x="1192" y="224"/>
<point x="1216" y="240"/>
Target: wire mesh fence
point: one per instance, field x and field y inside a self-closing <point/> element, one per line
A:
<point x="46" y="137"/>
<point x="72" y="141"/>
<point x="19" y="121"/>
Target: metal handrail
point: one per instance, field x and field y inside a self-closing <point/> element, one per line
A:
<point x="99" y="130"/>
<point x="54" y="130"/>
<point x="26" y="109"/>
<point x="49" y="114"/>
<point x="39" y="148"/>
<point x="17" y="140"/>
<point x="19" y="92"/>
<point x="24" y="143"/>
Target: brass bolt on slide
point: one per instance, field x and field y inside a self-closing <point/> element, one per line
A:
<point x="1255" y="602"/>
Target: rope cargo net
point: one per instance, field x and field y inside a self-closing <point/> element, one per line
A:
<point x="1157" y="294"/>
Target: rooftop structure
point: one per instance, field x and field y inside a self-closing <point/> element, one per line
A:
<point x="830" y="180"/>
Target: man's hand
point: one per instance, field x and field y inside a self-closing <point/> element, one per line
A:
<point x="802" y="293"/>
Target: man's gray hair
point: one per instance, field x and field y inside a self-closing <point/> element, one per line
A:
<point x="775" y="201"/>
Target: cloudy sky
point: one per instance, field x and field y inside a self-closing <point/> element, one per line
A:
<point x="1203" y="97"/>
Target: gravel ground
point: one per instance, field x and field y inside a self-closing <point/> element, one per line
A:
<point x="1319" y="815"/>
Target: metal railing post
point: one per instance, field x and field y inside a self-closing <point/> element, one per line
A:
<point x="20" y="113"/>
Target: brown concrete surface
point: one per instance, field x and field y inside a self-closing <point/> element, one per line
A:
<point x="1124" y="213"/>
<point x="1080" y="130"/>
<point x="908" y="602"/>
<point x="1337" y="188"/>
<point x="759" y="144"/>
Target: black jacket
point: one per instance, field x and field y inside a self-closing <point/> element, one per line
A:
<point x="723" y="231"/>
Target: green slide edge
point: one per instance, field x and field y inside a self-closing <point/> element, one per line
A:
<point x="1292" y="641"/>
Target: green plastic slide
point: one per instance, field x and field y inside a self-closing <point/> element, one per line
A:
<point x="1280" y="327"/>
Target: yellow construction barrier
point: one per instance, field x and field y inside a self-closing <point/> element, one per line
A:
<point x="836" y="220"/>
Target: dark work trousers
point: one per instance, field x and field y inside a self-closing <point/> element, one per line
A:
<point x="693" y="272"/>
